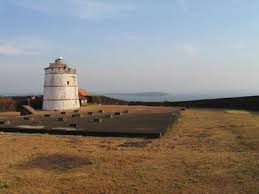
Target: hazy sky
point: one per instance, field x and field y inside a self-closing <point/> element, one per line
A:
<point x="132" y="45"/>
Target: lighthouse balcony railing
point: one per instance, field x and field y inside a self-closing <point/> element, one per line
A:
<point x="60" y="70"/>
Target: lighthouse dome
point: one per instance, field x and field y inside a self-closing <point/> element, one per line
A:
<point x="60" y="58"/>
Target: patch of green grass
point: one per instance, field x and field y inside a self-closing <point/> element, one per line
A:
<point x="180" y="184"/>
<point x="3" y="185"/>
<point x="93" y="162"/>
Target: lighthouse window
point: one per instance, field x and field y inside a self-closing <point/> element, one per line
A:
<point x="67" y="82"/>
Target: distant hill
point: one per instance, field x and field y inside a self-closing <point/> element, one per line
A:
<point x="139" y="96"/>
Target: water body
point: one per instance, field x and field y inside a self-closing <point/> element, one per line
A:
<point x="146" y="97"/>
<point x="160" y="96"/>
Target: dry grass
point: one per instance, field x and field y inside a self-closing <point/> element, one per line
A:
<point x="206" y="151"/>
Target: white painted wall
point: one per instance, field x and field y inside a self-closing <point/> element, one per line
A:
<point x="60" y="89"/>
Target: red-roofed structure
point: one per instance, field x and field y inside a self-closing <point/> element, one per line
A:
<point x="84" y="96"/>
<point x="83" y="92"/>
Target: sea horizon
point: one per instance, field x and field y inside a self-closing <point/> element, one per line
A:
<point x="155" y="96"/>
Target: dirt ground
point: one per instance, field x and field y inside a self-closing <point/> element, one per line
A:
<point x="9" y="114"/>
<point x="132" y="109"/>
<point x="206" y="151"/>
<point x="119" y="108"/>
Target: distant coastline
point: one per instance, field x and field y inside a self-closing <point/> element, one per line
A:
<point x="156" y="96"/>
<point x="170" y="97"/>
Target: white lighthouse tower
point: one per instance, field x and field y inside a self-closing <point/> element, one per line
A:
<point x="60" y="87"/>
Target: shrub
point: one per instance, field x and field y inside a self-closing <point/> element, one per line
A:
<point x="3" y="185"/>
